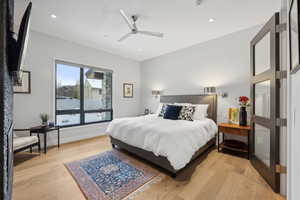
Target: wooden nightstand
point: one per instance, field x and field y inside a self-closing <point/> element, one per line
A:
<point x="234" y="145"/>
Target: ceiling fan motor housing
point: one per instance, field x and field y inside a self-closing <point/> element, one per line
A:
<point x="134" y="18"/>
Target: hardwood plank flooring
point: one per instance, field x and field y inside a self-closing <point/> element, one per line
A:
<point x="216" y="176"/>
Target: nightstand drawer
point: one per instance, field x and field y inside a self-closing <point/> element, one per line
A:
<point x="233" y="131"/>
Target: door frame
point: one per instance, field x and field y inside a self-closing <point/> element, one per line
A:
<point x="268" y="173"/>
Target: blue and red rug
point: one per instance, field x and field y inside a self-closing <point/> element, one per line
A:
<point x="111" y="176"/>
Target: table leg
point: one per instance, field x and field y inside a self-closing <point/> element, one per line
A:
<point x="248" y="146"/>
<point x="39" y="145"/>
<point x="58" y="137"/>
<point x="223" y="137"/>
<point x="45" y="143"/>
<point x="218" y="141"/>
<point x="30" y="147"/>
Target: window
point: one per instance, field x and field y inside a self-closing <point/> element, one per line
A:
<point x="83" y="94"/>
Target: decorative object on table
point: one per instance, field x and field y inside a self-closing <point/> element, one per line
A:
<point x="244" y="102"/>
<point x="51" y="124"/>
<point x="233" y="115"/>
<point x="112" y="175"/>
<point x="44" y="117"/>
<point x="156" y="93"/>
<point x="24" y="85"/>
<point x="210" y="90"/>
<point x="128" y="90"/>
<point x="147" y="111"/>
<point x="294" y="36"/>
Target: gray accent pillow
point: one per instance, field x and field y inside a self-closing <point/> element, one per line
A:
<point x="187" y="113"/>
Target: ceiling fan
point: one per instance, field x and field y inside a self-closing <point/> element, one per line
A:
<point x="134" y="30"/>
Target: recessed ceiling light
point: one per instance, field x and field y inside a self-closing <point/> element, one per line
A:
<point x="140" y="49"/>
<point x="211" y="19"/>
<point x="53" y="16"/>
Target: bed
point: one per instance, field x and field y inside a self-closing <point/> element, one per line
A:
<point x="169" y="144"/>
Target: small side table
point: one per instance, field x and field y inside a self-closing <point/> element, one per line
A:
<point x="234" y="145"/>
<point x="45" y="130"/>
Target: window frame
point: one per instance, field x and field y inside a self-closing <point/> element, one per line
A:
<point x="81" y="111"/>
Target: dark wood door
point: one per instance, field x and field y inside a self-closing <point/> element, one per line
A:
<point x="6" y="104"/>
<point x="265" y="110"/>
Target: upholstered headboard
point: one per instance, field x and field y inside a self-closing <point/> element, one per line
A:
<point x="195" y="99"/>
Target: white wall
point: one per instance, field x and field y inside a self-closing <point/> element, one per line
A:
<point x="293" y="131"/>
<point x="223" y="62"/>
<point x="294" y="138"/>
<point x="42" y="51"/>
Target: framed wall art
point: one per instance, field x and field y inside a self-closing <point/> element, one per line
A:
<point x="25" y="85"/>
<point x="128" y="90"/>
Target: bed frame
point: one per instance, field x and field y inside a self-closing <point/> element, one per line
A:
<point x="162" y="161"/>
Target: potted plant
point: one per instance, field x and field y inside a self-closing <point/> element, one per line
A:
<point x="244" y="102"/>
<point x="44" y="117"/>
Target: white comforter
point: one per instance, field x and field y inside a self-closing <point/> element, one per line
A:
<point x="177" y="140"/>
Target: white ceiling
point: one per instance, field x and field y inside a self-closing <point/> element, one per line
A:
<point x="98" y="24"/>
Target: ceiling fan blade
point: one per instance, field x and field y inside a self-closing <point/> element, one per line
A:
<point x="155" y="34"/>
<point x="127" y="20"/>
<point x="125" y="37"/>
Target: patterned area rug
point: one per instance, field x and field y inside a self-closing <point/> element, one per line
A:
<point x="111" y="176"/>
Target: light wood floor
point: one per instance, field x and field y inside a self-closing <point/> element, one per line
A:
<point x="218" y="176"/>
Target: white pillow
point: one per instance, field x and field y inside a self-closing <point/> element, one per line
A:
<point x="200" y="111"/>
<point x="160" y="106"/>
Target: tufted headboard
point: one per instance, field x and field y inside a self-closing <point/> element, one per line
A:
<point x="195" y="99"/>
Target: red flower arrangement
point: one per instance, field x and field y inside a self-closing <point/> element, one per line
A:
<point x="244" y="101"/>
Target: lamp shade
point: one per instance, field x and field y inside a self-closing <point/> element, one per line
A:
<point x="91" y="74"/>
<point x="155" y="92"/>
<point x="209" y="90"/>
